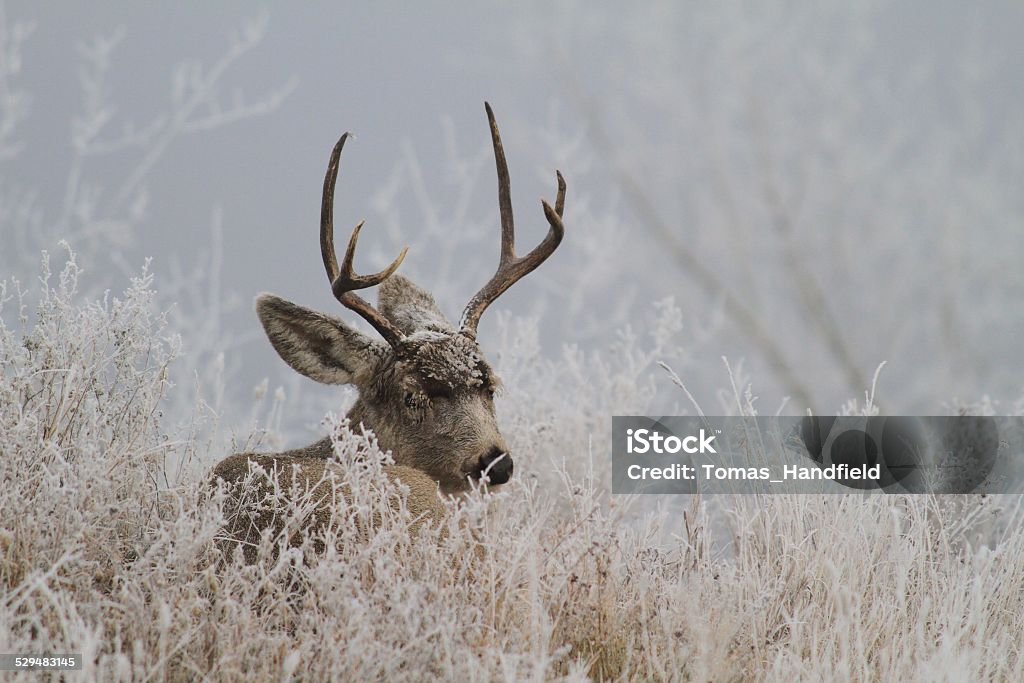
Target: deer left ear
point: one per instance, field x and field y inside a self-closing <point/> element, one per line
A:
<point x="410" y="307"/>
<point x="316" y="345"/>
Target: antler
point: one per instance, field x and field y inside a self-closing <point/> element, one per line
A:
<point x="344" y="281"/>
<point x="510" y="267"/>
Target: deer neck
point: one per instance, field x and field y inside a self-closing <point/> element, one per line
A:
<point x="362" y="413"/>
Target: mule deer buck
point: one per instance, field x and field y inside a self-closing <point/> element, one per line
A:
<point x="426" y="391"/>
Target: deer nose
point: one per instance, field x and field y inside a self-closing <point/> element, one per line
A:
<point x="496" y="466"/>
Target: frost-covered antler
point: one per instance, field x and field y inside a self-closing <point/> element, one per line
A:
<point x="510" y="267"/>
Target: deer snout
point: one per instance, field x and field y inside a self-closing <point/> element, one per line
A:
<point x="496" y="465"/>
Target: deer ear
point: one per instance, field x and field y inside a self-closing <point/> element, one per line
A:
<point x="410" y="307"/>
<point x="318" y="346"/>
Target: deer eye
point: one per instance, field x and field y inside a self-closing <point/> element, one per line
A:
<point x="410" y="400"/>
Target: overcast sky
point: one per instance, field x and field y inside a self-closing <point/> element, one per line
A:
<point x="895" y="120"/>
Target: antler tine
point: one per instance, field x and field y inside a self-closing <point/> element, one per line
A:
<point x="508" y="230"/>
<point x="510" y="267"/>
<point x="344" y="281"/>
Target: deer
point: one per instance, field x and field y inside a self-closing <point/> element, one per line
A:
<point x="425" y="389"/>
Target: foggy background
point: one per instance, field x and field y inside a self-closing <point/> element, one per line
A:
<point x="819" y="189"/>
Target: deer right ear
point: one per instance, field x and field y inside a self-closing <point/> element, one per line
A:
<point x="316" y="345"/>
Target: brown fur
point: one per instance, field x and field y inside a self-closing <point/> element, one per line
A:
<point x="310" y="469"/>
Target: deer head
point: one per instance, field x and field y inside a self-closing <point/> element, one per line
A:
<point x="426" y="390"/>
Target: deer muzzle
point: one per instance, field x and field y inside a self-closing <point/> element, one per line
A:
<point x="496" y="466"/>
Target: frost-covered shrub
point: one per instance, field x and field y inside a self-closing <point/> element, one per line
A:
<point x="111" y="541"/>
<point x="80" y="395"/>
